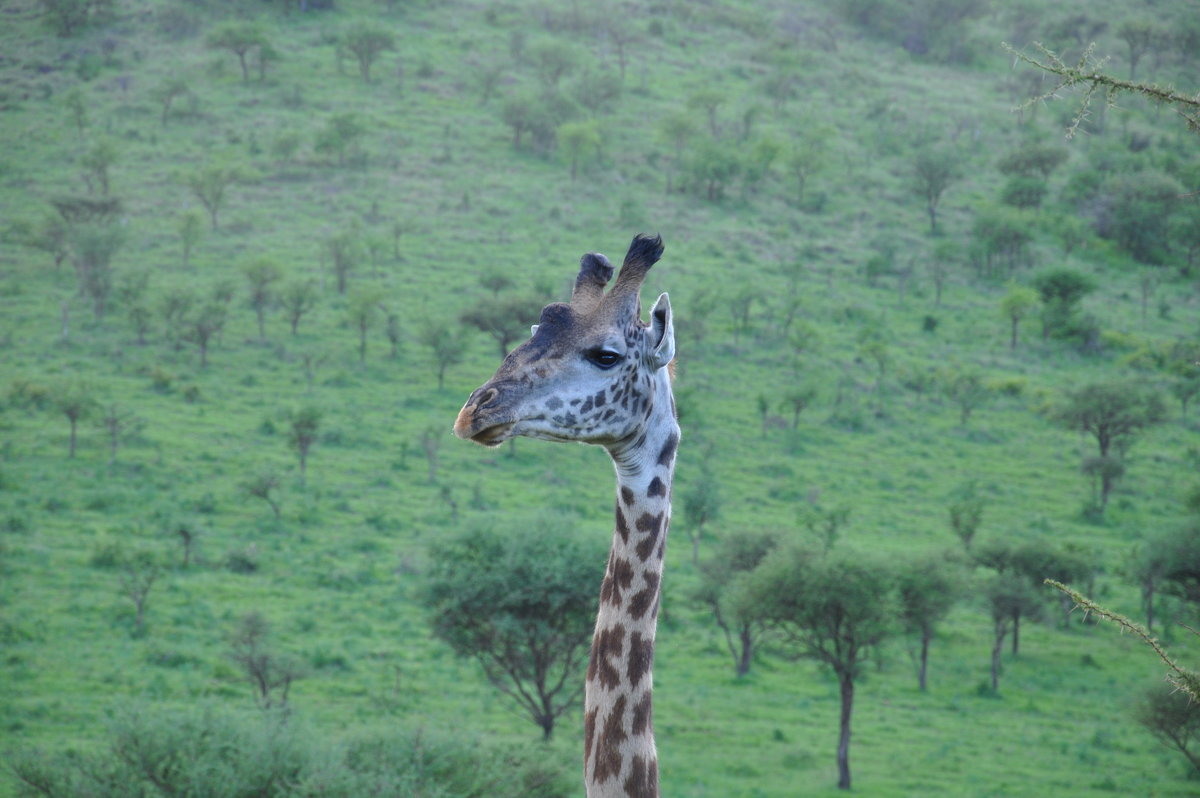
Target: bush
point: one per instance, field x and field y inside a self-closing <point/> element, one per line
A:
<point x="1009" y="386"/>
<point x="242" y="561"/>
<point x="269" y="754"/>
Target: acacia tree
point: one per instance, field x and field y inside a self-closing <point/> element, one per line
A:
<point x="96" y="163"/>
<point x="203" y="325"/>
<point x="701" y="504"/>
<point x="1173" y="717"/>
<point x="1061" y="291"/>
<point x="190" y="228"/>
<point x="505" y="320"/>
<point x="303" y="424"/>
<point x="928" y="588"/>
<point x="345" y="253"/>
<point x="270" y="673"/>
<point x="1140" y="36"/>
<point x="262" y="274"/>
<point x="580" y="141"/>
<point x="522" y="605"/>
<point x="1008" y="597"/>
<point x="340" y="136"/>
<point x="93" y="245"/>
<point x="1016" y="304"/>
<point x="835" y="608"/>
<point x="298" y="298"/>
<point x="807" y="156"/>
<point x="966" y="513"/>
<point x="966" y="389"/>
<point x="74" y="400"/>
<point x="934" y="170"/>
<point x="362" y="311"/>
<point x="208" y="184"/>
<point x="239" y="38"/>
<point x="1113" y="413"/>
<point x="366" y="41"/>
<point x="138" y="572"/>
<point x="167" y="92"/>
<point x="1032" y="562"/>
<point x="263" y="485"/>
<point x="119" y="422"/>
<point x="737" y="555"/>
<point x="445" y="344"/>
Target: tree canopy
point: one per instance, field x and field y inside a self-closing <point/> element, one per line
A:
<point x="523" y="605"/>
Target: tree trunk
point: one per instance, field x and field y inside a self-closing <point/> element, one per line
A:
<point x="997" y="647"/>
<point x="1148" y="598"/>
<point x="923" y="669"/>
<point x="743" y="663"/>
<point x="846" y="683"/>
<point x="74" y="424"/>
<point x="1013" y="343"/>
<point x="1016" y="641"/>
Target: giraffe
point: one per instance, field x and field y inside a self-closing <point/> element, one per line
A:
<point x="593" y="372"/>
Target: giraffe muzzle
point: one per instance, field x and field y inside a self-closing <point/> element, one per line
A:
<point x="473" y="423"/>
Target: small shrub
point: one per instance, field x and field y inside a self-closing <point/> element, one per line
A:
<point x="242" y="561"/>
<point x="106" y="554"/>
<point x="162" y="380"/>
<point x="929" y="323"/>
<point x="1119" y="341"/>
<point x="28" y="395"/>
<point x="1009" y="386"/>
<point x="99" y="502"/>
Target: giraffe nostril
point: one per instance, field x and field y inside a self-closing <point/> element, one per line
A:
<point x="487" y="398"/>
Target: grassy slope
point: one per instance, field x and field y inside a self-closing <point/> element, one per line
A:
<point x="336" y="576"/>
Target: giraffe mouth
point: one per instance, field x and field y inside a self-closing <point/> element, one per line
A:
<point x="494" y="435"/>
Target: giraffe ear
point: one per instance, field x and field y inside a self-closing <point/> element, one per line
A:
<point x="662" y="333"/>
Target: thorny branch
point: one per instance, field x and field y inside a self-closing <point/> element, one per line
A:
<point x="1087" y="73"/>
<point x="1183" y="678"/>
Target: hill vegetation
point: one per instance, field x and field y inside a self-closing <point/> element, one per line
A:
<point x="254" y="256"/>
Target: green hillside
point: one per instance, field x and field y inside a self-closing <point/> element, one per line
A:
<point x="840" y="348"/>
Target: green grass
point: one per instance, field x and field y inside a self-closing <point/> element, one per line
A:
<point x="336" y="576"/>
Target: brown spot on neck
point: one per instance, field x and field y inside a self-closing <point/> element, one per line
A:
<point x="606" y="645"/>
<point x="608" y="744"/>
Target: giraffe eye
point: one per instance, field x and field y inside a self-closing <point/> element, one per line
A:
<point x="603" y="358"/>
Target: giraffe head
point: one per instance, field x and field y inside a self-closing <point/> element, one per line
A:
<point x="592" y="371"/>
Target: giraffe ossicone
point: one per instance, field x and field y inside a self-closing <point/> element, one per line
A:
<point x="594" y="372"/>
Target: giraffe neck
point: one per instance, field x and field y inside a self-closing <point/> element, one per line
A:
<point x="620" y="760"/>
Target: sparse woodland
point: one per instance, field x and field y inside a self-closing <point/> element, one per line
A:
<point x="937" y="344"/>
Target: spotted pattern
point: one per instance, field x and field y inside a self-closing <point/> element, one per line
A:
<point x="617" y="580"/>
<point x="606" y="647"/>
<point x="608" y="744"/>
<point x="643" y="779"/>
